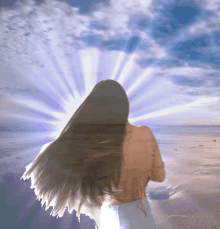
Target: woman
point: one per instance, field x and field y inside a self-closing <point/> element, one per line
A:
<point x="100" y="164"/>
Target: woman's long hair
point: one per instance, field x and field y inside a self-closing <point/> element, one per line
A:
<point x="84" y="163"/>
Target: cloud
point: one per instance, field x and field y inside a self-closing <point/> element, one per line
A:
<point x="171" y="18"/>
<point x="38" y="39"/>
<point x="7" y="3"/>
<point x="212" y="5"/>
<point x="86" y="6"/>
<point x="116" y="15"/>
<point x="195" y="81"/>
<point x="186" y="81"/>
<point x="11" y="82"/>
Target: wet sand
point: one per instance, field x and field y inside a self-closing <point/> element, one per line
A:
<point x="189" y="198"/>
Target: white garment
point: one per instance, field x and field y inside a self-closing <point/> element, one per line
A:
<point x="127" y="216"/>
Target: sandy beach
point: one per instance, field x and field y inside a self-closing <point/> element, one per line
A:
<point x="189" y="198"/>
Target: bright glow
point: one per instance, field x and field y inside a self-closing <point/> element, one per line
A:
<point x="109" y="218"/>
<point x="175" y="109"/>
<point x="120" y="58"/>
<point x="90" y="62"/>
<point x="156" y="89"/>
<point x="128" y="67"/>
<point x="70" y="105"/>
<point x="146" y="75"/>
<point x="36" y="106"/>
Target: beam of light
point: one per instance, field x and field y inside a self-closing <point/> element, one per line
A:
<point x="107" y="63"/>
<point x="52" y="53"/>
<point x="56" y="75"/>
<point x="128" y="67"/>
<point x="46" y="83"/>
<point x="35" y="105"/>
<point x="123" y="58"/>
<point x="70" y="77"/>
<point x="124" y="67"/>
<point x="70" y="105"/>
<point x="59" y="60"/>
<point x="23" y="117"/>
<point x="25" y="138"/>
<point x="159" y="102"/>
<point x="118" y="63"/>
<point x="155" y="90"/>
<point x="175" y="109"/>
<point x="105" y="66"/>
<point x="123" y="62"/>
<point x="146" y="75"/>
<point x="90" y="62"/>
<point x="49" y="71"/>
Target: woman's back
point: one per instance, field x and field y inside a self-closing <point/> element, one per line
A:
<point x="141" y="162"/>
<point x="139" y="150"/>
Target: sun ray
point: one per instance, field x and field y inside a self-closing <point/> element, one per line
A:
<point x="174" y="109"/>
<point x="105" y="65"/>
<point x="159" y="102"/>
<point x="157" y="88"/>
<point x="50" y="47"/>
<point x="26" y="117"/>
<point x="35" y="105"/>
<point x="145" y="76"/>
<point x="47" y="85"/>
<point x="120" y="58"/>
<point x="42" y="41"/>
<point x="70" y="105"/>
<point x="56" y="75"/>
<point x="49" y="68"/>
<point x="26" y="137"/>
<point x="76" y="76"/>
<point x="127" y="68"/>
<point x="70" y="75"/>
<point x="57" y="56"/>
<point x="90" y="61"/>
<point x="108" y="60"/>
<point x="123" y="63"/>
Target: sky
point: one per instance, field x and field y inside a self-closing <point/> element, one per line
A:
<point x="165" y="54"/>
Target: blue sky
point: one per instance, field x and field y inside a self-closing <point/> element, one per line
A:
<point x="164" y="53"/>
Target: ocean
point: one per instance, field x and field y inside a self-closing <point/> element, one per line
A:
<point x="195" y="130"/>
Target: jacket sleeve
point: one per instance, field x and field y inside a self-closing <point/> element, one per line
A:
<point x="157" y="167"/>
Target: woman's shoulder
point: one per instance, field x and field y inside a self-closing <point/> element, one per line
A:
<point x="142" y="128"/>
<point x="143" y="132"/>
<point x="139" y="132"/>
